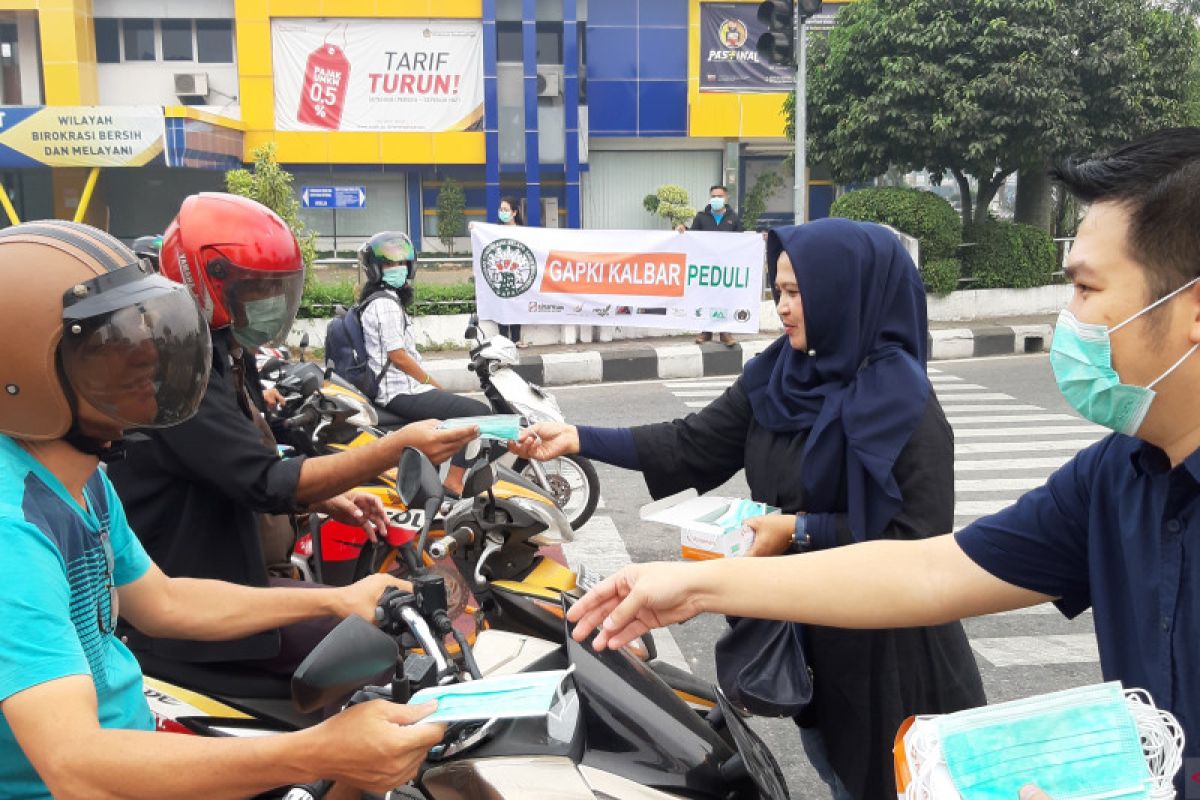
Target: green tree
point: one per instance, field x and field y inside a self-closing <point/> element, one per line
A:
<point x="271" y="185"/>
<point x="755" y="204"/>
<point x="982" y="89"/>
<point x="451" y="208"/>
<point x="671" y="203"/>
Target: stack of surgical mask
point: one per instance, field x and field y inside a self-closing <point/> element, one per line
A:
<point x="526" y="694"/>
<point x="740" y="511"/>
<point x="709" y="527"/>
<point x="501" y="427"/>
<point x="1086" y="743"/>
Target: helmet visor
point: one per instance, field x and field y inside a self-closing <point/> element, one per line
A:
<point x="262" y="305"/>
<point x="144" y="363"/>
<point x="397" y="249"/>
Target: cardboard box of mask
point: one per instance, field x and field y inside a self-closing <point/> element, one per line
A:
<point x="709" y="527"/>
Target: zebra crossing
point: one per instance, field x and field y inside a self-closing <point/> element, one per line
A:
<point x="1003" y="448"/>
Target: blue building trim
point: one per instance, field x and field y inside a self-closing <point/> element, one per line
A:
<point x="415" y="228"/>
<point x="571" y="112"/>
<point x="491" y="109"/>
<point x="533" y="186"/>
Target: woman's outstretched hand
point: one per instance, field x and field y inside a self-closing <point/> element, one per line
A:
<point x="638" y="599"/>
<point x="545" y="441"/>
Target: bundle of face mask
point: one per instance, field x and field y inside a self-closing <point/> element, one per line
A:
<point x="1086" y="743"/>
<point x="526" y="694"/>
<point x="501" y="427"/>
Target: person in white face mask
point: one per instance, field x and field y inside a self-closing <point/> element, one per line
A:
<point x="1117" y="529"/>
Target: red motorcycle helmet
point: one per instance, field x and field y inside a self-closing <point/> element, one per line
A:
<point x="242" y="263"/>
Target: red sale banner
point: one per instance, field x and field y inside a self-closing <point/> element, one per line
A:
<point x="323" y="95"/>
<point x="377" y="75"/>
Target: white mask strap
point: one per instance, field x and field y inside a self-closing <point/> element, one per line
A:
<point x="1154" y="305"/>
<point x="1174" y="367"/>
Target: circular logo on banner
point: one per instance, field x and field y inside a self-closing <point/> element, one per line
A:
<point x="509" y="267"/>
<point x="733" y="33"/>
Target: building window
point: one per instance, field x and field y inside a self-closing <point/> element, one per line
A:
<point x="139" y="40"/>
<point x="508" y="41"/>
<point x="176" y="39"/>
<point x="108" y="41"/>
<point x="214" y="41"/>
<point x="549" y="42"/>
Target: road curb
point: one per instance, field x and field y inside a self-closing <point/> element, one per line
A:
<point x="682" y="361"/>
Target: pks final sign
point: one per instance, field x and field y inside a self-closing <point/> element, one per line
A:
<point x="728" y="61"/>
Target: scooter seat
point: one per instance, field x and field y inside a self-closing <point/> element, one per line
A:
<point x="390" y="421"/>
<point x="223" y="680"/>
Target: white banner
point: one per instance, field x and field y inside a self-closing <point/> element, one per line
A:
<point x="378" y="74"/>
<point x="646" y="279"/>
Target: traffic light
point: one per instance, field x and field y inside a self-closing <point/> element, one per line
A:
<point x="778" y="45"/>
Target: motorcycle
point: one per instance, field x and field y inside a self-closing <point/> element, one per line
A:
<point x="572" y="480"/>
<point x="614" y="731"/>
<point x="499" y="577"/>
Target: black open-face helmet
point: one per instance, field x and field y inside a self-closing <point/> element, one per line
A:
<point x="384" y="250"/>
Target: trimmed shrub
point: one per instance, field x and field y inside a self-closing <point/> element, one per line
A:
<point x="1009" y="255"/>
<point x="941" y="275"/>
<point x="458" y="298"/>
<point x="924" y="215"/>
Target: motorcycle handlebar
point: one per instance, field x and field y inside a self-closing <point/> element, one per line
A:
<point x="309" y="791"/>
<point x="307" y="416"/>
<point x="448" y="545"/>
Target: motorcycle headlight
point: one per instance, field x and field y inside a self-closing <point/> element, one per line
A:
<point x="558" y="529"/>
<point x="534" y="415"/>
<point x="365" y="415"/>
<point x="502" y="351"/>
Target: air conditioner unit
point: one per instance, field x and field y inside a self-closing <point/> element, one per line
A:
<point x="549" y="80"/>
<point x="549" y="212"/>
<point x="191" y="84"/>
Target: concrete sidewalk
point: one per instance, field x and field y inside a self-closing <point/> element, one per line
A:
<point x="679" y="357"/>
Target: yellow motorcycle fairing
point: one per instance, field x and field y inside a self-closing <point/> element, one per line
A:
<point x="206" y="705"/>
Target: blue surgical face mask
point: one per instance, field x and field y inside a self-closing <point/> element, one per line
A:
<point x="266" y="320"/>
<point x="505" y="216"/>
<point x="395" y="277"/>
<point x="1081" y="357"/>
<point x="1081" y="743"/>
<point x="740" y="511"/>
<point x="716" y="203"/>
<point x="526" y="694"/>
<point x="501" y="427"/>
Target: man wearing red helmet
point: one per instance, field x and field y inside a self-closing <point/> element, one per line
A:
<point x="206" y="495"/>
<point x="96" y="344"/>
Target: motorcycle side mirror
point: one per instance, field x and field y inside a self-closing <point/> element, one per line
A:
<point x="348" y="658"/>
<point x="474" y="320"/>
<point x="417" y="479"/>
<point x="304" y="340"/>
<point x="271" y="367"/>
<point x="479" y="478"/>
<point x="311" y="384"/>
<point x="471" y="332"/>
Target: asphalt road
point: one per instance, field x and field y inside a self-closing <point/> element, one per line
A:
<point x="1012" y="428"/>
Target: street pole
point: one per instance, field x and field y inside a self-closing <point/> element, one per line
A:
<point x="801" y="158"/>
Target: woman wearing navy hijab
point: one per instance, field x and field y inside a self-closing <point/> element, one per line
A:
<point x="836" y="423"/>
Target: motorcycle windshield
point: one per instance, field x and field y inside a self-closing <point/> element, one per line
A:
<point x="638" y="728"/>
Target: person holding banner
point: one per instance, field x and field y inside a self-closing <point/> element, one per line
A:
<point x="837" y="424"/>
<point x="510" y="214"/>
<point x="716" y="216"/>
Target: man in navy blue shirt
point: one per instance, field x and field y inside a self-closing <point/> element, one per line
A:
<point x="1117" y="529"/>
